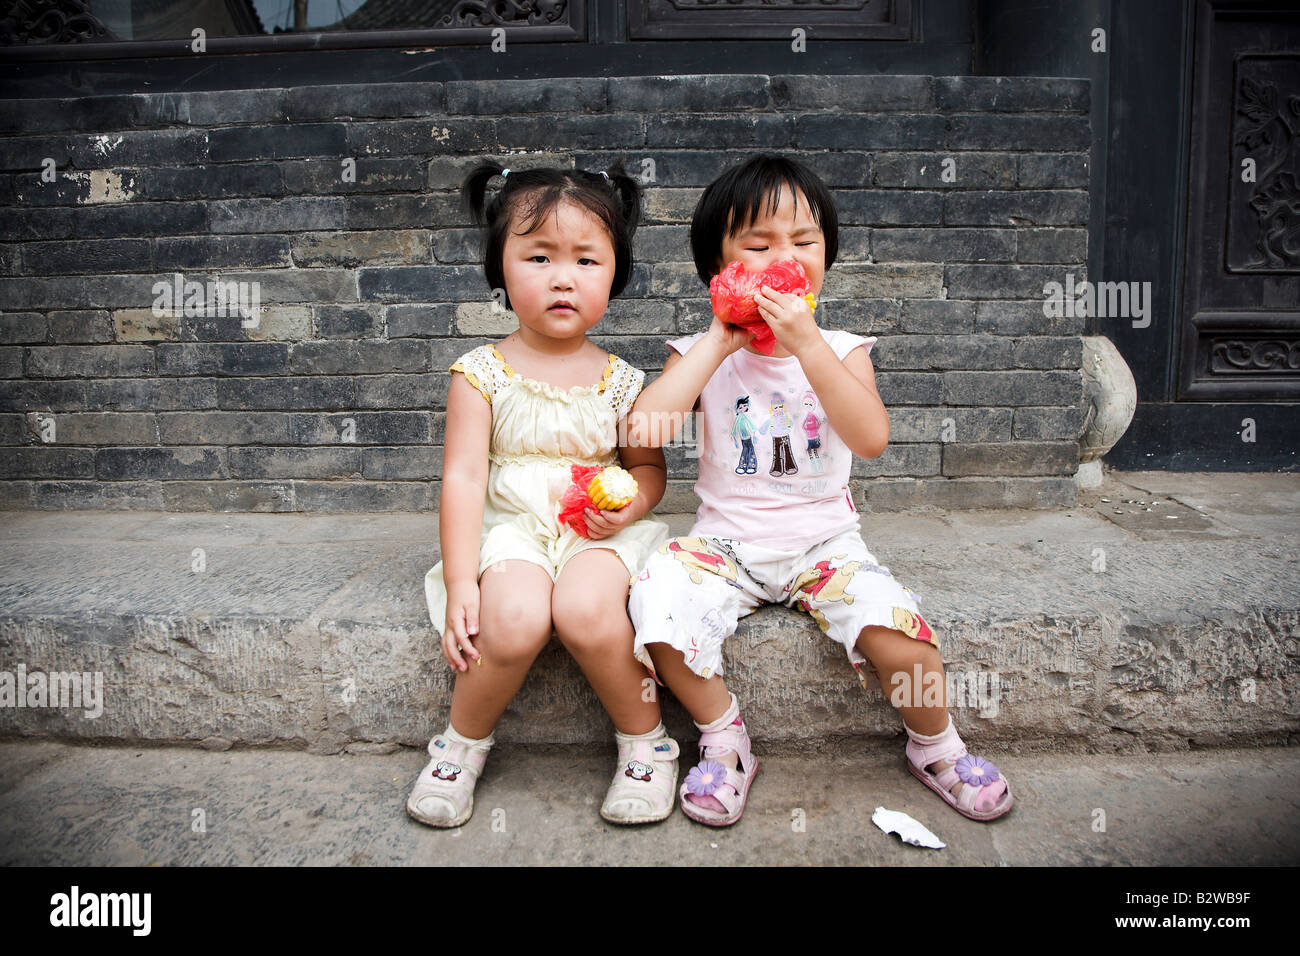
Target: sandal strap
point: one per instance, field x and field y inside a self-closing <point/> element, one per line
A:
<point x="733" y="737"/>
<point x="470" y="759"/>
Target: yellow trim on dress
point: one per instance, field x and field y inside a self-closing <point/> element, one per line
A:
<point x="604" y="379"/>
<point x="510" y="373"/>
<point x="473" y="380"/>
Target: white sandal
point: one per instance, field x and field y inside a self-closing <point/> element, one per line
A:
<point x="644" y="779"/>
<point x="443" y="795"/>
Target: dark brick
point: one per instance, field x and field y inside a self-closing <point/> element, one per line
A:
<point x="11" y="361"/>
<point x="577" y="94"/>
<point x="998" y="281"/>
<point x="151" y="148"/>
<point x="1049" y="352"/>
<point x="144" y="219"/>
<point x="1047" y="424"/>
<point x="448" y="172"/>
<point x="352" y="249"/>
<point x="82" y="258"/>
<point x="909" y="388"/>
<point x="855" y="244"/>
<point x="402" y="464"/>
<point x="80" y="327"/>
<point x="106" y="428"/>
<point x="10" y="259"/>
<point x="219" y="496"/>
<point x="741" y="130"/>
<point x="256" y="462"/>
<point x="561" y="132"/>
<point x="879" y="280"/>
<point x="47" y="461"/>
<point x="869" y="131"/>
<point x="457" y="245"/>
<point x="1018" y="208"/>
<point x="899" y="459"/>
<point x="1013" y="94"/>
<point x="208" y="108"/>
<point x="14" y="431"/>
<point x="364" y="100"/>
<point x="687" y="94"/>
<point x="221" y="252"/>
<point x="662" y="244"/>
<point x="224" y="181"/>
<point x="359" y="358"/>
<point x="992" y="131"/>
<point x="858" y="315"/>
<point x="674" y="279"/>
<point x="19" y="327"/>
<point x="937" y="315"/>
<point x="1012" y="388"/>
<point x="1011" y="458"/>
<point x="403" y="391"/>
<point x="669" y="205"/>
<point x="662" y="167"/>
<point x="29" y="153"/>
<point x="334" y="497"/>
<point x="914" y="424"/>
<point x="24" y="395"/>
<point x="402" y="212"/>
<point x="424" y="137"/>
<point x="298" y="285"/>
<point x="37" y="223"/>
<point x="75" y="187"/>
<point x="277" y="215"/>
<point x="897" y="494"/>
<point x="890" y="92"/>
<point x="277" y="142"/>
<point x="192" y="461"/>
<point x="880" y="207"/>
<point x="642" y="351"/>
<point x="325" y="176"/>
<point x="420" y="321"/>
<point x="423" y="283"/>
<point x="150" y="394"/>
<point x="349" y="322"/>
<point x="369" y="428"/>
<point x="445" y="352"/>
<point x="639" y="317"/>
<point x="943" y="245"/>
<point x="297" y="393"/>
<point x="930" y="352"/>
<point x="91" y="361"/>
<point x="1053" y="171"/>
<point x="222" y="428"/>
<point x="1052" y="245"/>
<point x="16" y="496"/>
<point x="257" y="358"/>
<point x="73" y="113"/>
<point x="1023" y="318"/>
<point x="926" y="170"/>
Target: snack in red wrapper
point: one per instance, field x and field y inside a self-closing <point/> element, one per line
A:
<point x="608" y="489"/>
<point x="733" y="289"/>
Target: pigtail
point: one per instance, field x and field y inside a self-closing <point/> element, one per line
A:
<point x="629" y="195"/>
<point x="473" y="192"/>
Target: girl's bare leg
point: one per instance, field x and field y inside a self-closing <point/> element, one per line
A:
<point x="514" y="626"/>
<point x="589" y="607"/>
<point x="706" y="699"/>
<point x="892" y="653"/>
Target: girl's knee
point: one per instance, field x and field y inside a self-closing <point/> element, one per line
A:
<point x="585" y="625"/>
<point x="513" y="630"/>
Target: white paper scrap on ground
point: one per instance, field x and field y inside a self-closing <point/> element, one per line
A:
<point x="895" y="821"/>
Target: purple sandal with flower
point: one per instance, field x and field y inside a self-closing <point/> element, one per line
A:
<point x="984" y="795"/>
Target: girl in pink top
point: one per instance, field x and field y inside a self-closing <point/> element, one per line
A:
<point x="785" y="531"/>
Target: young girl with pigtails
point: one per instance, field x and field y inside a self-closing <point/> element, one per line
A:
<point x="520" y="415"/>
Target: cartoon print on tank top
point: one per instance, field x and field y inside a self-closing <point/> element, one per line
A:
<point x="812" y="431"/>
<point x="742" y="437"/>
<point x="780" y="422"/>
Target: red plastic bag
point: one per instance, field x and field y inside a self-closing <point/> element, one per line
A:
<point x="732" y="293"/>
<point x="575" y="500"/>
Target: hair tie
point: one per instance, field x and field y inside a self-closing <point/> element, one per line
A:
<point x="505" y="173"/>
<point x="607" y="179"/>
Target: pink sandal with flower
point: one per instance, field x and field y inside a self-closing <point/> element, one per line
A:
<point x="985" y="794"/>
<point x="713" y="779"/>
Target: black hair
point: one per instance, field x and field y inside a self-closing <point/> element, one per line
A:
<point x="732" y="202"/>
<point x="533" y="193"/>
<point x="743" y="400"/>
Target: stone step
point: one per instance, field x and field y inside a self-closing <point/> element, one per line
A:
<point x="1079" y="629"/>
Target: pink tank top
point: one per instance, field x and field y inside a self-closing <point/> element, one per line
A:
<point x="772" y="470"/>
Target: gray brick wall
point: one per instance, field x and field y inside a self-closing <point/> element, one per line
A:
<point x="334" y="402"/>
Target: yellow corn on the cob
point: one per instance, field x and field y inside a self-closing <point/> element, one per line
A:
<point x="812" y="302"/>
<point x="612" y="489"/>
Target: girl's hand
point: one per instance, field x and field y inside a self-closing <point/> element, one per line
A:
<point x="732" y="338"/>
<point x="461" y="626"/>
<point x="603" y="524"/>
<point x="790" y="318"/>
